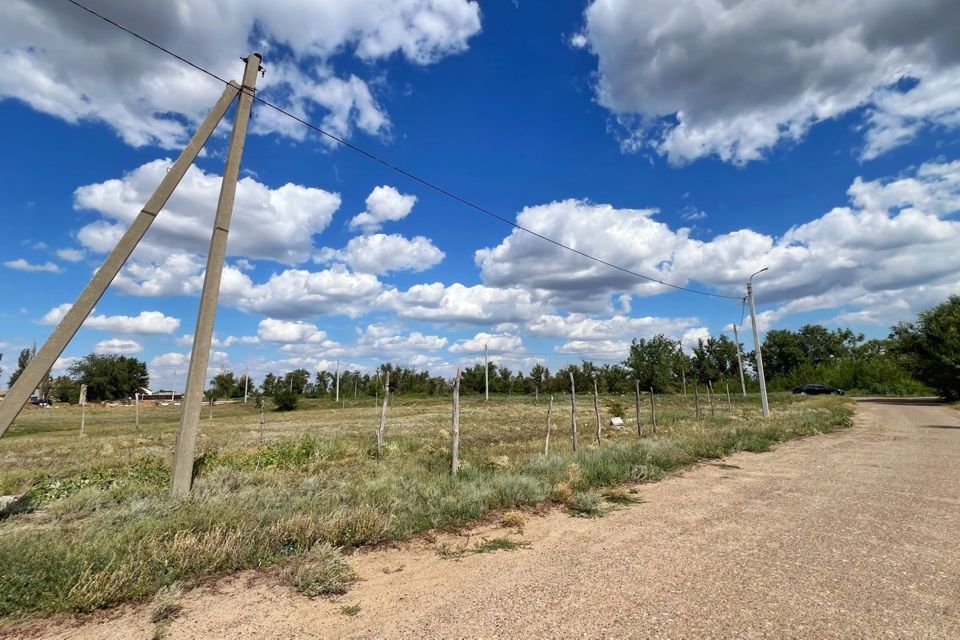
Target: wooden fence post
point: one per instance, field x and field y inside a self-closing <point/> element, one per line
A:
<point x="710" y="397"/>
<point x="546" y="442"/>
<point x="639" y="424"/>
<point x="729" y="401"/>
<point x="696" y="399"/>
<point x="455" y="435"/>
<point x="573" y="410"/>
<point x="83" y="407"/>
<point x="262" y="420"/>
<point x="653" y="412"/>
<point x="383" y="414"/>
<point x="596" y="410"/>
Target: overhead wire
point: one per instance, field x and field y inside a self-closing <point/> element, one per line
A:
<point x="398" y="169"/>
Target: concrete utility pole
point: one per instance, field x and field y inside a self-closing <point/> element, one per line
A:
<point x="91" y="294"/>
<point x="756" y="346"/>
<point x="338" y="381"/>
<point x="736" y="338"/>
<point x="202" y="337"/>
<point x="486" y="374"/>
<point x="246" y="384"/>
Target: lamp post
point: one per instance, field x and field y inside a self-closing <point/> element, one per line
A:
<point x="756" y="345"/>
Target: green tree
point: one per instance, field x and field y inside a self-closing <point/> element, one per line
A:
<point x="110" y="377"/>
<point x="223" y="385"/>
<point x="651" y="362"/>
<point x="931" y="347"/>
<point x="26" y="355"/>
<point x="269" y="385"/>
<point x="714" y="358"/>
<point x="298" y="380"/>
<point x="782" y="352"/>
<point x="65" y="389"/>
<point x="244" y="382"/>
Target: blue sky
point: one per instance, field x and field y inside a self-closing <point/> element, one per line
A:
<point x="693" y="142"/>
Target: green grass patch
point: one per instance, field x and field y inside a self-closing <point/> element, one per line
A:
<point x="98" y="528"/>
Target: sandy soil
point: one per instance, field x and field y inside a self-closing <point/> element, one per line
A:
<point x="851" y="535"/>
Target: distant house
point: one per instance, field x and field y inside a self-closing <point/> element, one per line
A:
<point x="161" y="395"/>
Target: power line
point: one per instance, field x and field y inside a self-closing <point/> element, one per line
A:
<point x="401" y="170"/>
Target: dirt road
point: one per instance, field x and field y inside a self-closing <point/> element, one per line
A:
<point x="853" y="535"/>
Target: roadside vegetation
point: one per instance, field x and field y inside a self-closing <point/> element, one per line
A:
<point x="917" y="358"/>
<point x="95" y="526"/>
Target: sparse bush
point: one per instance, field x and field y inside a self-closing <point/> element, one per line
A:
<point x="499" y="544"/>
<point x="356" y="527"/>
<point x="586" y="504"/>
<point x="616" y="409"/>
<point x="513" y="490"/>
<point x="621" y="495"/>
<point x="321" y="572"/>
<point x="513" y="520"/>
<point x="562" y="493"/>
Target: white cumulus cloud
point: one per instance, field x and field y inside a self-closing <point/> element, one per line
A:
<point x="276" y="224"/>
<point x="145" y="323"/>
<point x="21" y="264"/>
<point x="381" y="253"/>
<point x="118" y="346"/>
<point x="692" y="78"/>
<point x="66" y="63"/>
<point x="384" y="204"/>
<point x="498" y="343"/>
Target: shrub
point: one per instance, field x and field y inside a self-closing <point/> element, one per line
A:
<point x="562" y="493"/>
<point x="286" y="400"/>
<point x="616" y="409"/>
<point x="513" y="520"/>
<point x="512" y="490"/>
<point x="356" y="527"/>
<point x="586" y="504"/>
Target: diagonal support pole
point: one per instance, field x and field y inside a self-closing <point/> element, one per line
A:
<point x="52" y="349"/>
<point x="209" y="296"/>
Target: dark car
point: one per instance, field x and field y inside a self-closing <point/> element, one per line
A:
<point x="817" y="390"/>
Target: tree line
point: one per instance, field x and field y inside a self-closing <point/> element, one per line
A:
<point x="916" y="357"/>
<point x="108" y="378"/>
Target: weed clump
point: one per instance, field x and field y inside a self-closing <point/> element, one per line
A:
<point x="513" y="520"/>
<point x="562" y="493"/>
<point x="320" y="572"/>
<point x="586" y="504"/>
<point x="166" y="604"/>
<point x="499" y="544"/>
<point x="621" y="495"/>
<point x="356" y="527"/>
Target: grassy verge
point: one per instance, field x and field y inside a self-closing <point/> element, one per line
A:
<point x="103" y="530"/>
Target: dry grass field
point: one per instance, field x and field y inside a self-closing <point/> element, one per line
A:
<point x="95" y="526"/>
